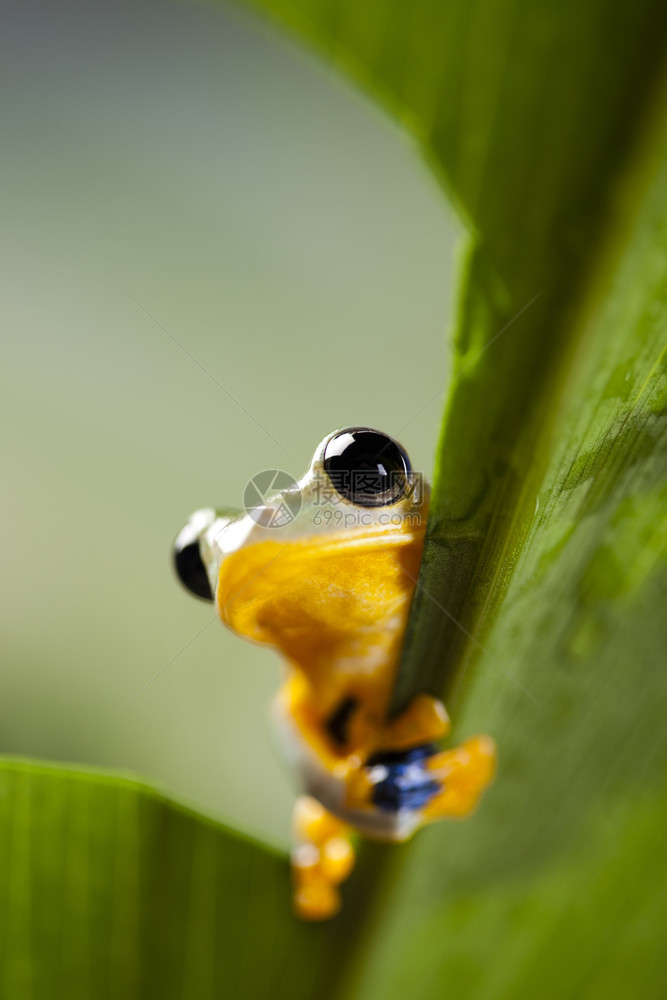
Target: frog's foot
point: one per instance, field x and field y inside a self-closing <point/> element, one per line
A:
<point x="392" y="775"/>
<point x="322" y="858"/>
<point x="462" y="775"/>
<point x="422" y="784"/>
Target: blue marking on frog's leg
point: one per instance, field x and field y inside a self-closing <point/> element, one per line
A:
<point x="400" y="779"/>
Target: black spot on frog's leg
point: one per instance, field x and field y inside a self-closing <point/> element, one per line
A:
<point x="337" y="723"/>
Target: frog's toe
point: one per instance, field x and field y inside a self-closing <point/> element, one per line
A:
<point x="462" y="773"/>
<point x="314" y="897"/>
<point x="322" y="858"/>
<point x="317" y="871"/>
<point x="424" y="720"/>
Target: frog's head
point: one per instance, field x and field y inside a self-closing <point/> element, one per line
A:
<point x="326" y="566"/>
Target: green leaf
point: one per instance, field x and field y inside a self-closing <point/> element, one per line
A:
<point x="109" y="888"/>
<point x="541" y="596"/>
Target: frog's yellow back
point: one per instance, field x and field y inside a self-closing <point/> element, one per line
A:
<point x="337" y="608"/>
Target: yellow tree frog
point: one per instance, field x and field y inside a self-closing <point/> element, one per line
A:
<point x="324" y="570"/>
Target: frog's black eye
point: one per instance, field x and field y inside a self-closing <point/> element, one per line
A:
<point x="188" y="562"/>
<point x="367" y="467"/>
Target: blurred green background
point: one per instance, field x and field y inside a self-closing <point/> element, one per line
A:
<point x="290" y="239"/>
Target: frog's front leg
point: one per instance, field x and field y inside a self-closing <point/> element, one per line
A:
<point x="322" y="858"/>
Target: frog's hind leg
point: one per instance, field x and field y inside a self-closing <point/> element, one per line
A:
<point x="322" y="858"/>
<point x="462" y="773"/>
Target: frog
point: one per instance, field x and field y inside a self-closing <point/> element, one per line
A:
<point x="324" y="570"/>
